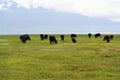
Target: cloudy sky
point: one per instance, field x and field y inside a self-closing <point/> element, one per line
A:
<point x="59" y="16"/>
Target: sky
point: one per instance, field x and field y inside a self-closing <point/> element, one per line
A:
<point x="59" y="16"/>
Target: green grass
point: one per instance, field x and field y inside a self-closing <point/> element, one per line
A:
<point x="88" y="59"/>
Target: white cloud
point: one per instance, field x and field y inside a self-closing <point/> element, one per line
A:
<point x="109" y="9"/>
<point x="4" y="4"/>
<point x="115" y="19"/>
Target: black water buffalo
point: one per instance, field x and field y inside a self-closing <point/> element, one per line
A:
<point x="24" y="38"/>
<point x="73" y="36"/>
<point x="45" y="36"/>
<point x="97" y="35"/>
<point x="42" y="36"/>
<point x="62" y="37"/>
<point x="52" y="39"/>
<point x="108" y="38"/>
<point x="89" y="35"/>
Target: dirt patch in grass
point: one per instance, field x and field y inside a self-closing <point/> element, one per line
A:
<point x="108" y="48"/>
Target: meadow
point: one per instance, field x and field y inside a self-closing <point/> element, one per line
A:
<point x="88" y="59"/>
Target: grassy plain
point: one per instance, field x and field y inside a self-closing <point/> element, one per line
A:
<point x="88" y="59"/>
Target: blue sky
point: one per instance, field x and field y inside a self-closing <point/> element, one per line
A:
<point x="21" y="17"/>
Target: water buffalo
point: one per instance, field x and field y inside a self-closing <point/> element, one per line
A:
<point x="89" y="35"/>
<point x="108" y="38"/>
<point x="42" y="36"/>
<point x="45" y="36"/>
<point x="97" y="35"/>
<point x="24" y="38"/>
<point x="73" y="36"/>
<point x="52" y="39"/>
<point x="62" y="37"/>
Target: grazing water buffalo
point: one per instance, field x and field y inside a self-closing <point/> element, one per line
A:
<point x="62" y="37"/>
<point x="108" y="38"/>
<point x="24" y="38"/>
<point x="42" y="36"/>
<point x="52" y="39"/>
<point x="89" y="35"/>
<point x="97" y="35"/>
<point x="45" y="36"/>
<point x="73" y="36"/>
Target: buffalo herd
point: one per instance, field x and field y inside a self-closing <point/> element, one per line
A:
<point x="97" y="35"/>
<point x="52" y="38"/>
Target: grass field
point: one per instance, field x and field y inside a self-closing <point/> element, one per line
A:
<point x="88" y="59"/>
